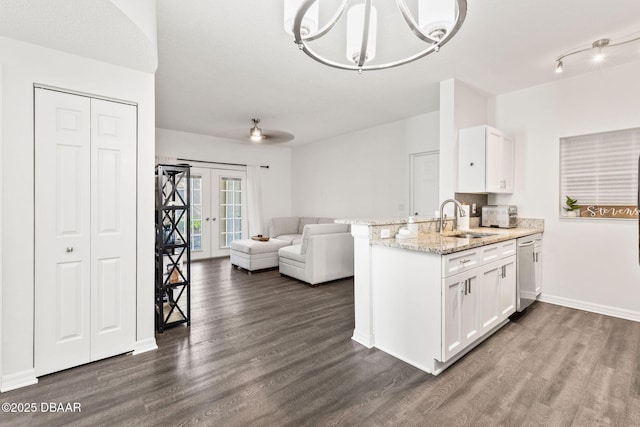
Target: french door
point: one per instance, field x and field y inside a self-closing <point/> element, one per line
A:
<point x="218" y="211"/>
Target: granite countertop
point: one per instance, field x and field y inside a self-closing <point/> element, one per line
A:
<point x="383" y="221"/>
<point x="445" y="244"/>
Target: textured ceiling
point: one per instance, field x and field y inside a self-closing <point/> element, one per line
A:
<point x="222" y="62"/>
<point x="95" y="29"/>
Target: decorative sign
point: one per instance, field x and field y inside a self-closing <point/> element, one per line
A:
<point x="599" y="211"/>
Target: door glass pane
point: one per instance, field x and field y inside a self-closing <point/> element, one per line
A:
<point x="196" y="213"/>
<point x="230" y="210"/>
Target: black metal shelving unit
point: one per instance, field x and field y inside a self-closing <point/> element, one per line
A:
<point x="173" y="249"/>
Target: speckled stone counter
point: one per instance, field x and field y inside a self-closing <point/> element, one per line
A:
<point x="436" y="243"/>
<point x="429" y="240"/>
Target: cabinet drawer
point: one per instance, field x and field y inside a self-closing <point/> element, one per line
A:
<point x="460" y="261"/>
<point x="498" y="251"/>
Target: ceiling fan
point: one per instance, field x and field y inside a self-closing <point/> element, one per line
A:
<point x="257" y="135"/>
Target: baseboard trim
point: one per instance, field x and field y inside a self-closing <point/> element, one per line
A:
<point x="591" y="307"/>
<point x="143" y="346"/>
<point x="365" y="340"/>
<point x="18" y="380"/>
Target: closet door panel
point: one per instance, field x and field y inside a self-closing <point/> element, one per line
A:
<point x="113" y="214"/>
<point x="62" y="231"/>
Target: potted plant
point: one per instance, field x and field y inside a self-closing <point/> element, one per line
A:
<point x="572" y="208"/>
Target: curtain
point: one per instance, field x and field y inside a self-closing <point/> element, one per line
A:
<point x="254" y="200"/>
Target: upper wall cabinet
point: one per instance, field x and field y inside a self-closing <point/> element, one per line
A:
<point x="485" y="161"/>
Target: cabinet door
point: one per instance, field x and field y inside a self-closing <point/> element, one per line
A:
<point x="460" y="322"/>
<point x="471" y="160"/>
<point x="537" y="254"/>
<point x="452" y="335"/>
<point x="507" y="296"/>
<point x="506" y="165"/>
<point x="489" y="295"/>
<point x="494" y="177"/>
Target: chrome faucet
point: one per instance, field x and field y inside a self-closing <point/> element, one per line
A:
<point x="460" y="210"/>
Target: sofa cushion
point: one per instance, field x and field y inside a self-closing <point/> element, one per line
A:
<point x="283" y="225"/>
<point x="312" y="230"/>
<point x="325" y="220"/>
<point x="291" y="239"/>
<point x="304" y="220"/>
<point x="292" y="252"/>
<point x="253" y="247"/>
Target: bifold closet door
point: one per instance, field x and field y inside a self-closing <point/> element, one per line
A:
<point x="85" y="223"/>
<point x="113" y="228"/>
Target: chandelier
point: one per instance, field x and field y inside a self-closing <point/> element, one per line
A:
<point x="437" y="22"/>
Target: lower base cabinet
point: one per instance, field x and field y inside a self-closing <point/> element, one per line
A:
<point x="475" y="302"/>
<point x="430" y="309"/>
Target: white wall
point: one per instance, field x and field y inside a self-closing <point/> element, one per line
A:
<point x="23" y="65"/>
<point x="276" y="181"/>
<point x="461" y="106"/>
<point x="361" y="174"/>
<point x="591" y="264"/>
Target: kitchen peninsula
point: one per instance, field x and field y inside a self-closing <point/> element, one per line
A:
<point x="431" y="299"/>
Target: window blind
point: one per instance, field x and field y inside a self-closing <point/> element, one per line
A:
<point x="600" y="169"/>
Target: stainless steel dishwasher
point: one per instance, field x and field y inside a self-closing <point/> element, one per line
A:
<point x="529" y="270"/>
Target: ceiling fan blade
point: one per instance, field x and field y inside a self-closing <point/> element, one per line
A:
<point x="270" y="136"/>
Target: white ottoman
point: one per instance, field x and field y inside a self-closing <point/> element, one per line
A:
<point x="255" y="255"/>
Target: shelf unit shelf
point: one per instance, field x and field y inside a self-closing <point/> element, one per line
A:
<point x="173" y="269"/>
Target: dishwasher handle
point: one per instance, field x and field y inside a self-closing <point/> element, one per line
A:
<point x="529" y="243"/>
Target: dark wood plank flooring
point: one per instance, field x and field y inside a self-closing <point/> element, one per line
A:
<point x="265" y="350"/>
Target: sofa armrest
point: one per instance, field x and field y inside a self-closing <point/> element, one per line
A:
<point x="311" y="230"/>
<point x="329" y="256"/>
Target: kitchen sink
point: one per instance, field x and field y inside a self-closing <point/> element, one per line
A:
<point x="471" y="235"/>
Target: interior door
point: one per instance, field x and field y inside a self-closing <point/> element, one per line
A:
<point x="62" y="231"/>
<point x="85" y="229"/>
<point x="113" y="223"/>
<point x="228" y="209"/>
<point x="425" y="183"/>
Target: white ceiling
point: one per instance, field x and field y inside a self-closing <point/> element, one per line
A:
<point x="222" y="62"/>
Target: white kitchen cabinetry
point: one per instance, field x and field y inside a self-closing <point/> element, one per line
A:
<point x="537" y="258"/>
<point x="430" y="309"/>
<point x="485" y="161"/>
<point x="478" y="299"/>
<point x="460" y="314"/>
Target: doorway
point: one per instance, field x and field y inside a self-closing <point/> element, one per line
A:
<point x="425" y="183"/>
<point x="218" y="211"/>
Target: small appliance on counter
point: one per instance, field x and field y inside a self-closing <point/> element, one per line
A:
<point x="501" y="216"/>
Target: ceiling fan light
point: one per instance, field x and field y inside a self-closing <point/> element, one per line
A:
<point x="355" y="28"/>
<point x="309" y="22"/>
<point x="255" y="133"/>
<point x="436" y="17"/>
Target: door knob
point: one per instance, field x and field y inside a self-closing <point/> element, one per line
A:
<point x="206" y="219"/>
<point x="69" y="249"/>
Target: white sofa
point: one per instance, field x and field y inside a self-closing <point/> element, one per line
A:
<point x="325" y="253"/>
<point x="254" y="255"/>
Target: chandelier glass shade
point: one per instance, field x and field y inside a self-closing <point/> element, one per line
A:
<point x="429" y="23"/>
